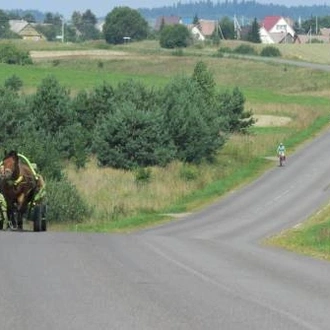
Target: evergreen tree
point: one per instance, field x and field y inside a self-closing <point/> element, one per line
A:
<point x="204" y="79"/>
<point x="190" y="120"/>
<point x="254" y="35"/>
<point x="4" y="26"/>
<point x="51" y="105"/>
<point x="132" y="138"/>
<point x="227" y="28"/>
<point x="231" y="106"/>
<point x="195" y="20"/>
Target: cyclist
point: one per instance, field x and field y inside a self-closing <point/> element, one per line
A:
<point x="281" y="152"/>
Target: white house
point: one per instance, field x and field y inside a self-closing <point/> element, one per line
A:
<point x="276" y="30"/>
<point x="198" y="35"/>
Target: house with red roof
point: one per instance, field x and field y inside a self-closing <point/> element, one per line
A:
<point x="207" y="27"/>
<point x="203" y="29"/>
<point x="276" y="30"/>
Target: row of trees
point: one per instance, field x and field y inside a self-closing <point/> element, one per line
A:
<point x="245" y="10"/>
<point x="126" y="126"/>
<point x="123" y="22"/>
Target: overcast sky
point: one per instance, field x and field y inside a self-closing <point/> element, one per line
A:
<point x="102" y="7"/>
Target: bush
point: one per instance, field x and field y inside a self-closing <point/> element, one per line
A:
<point x="178" y="52"/>
<point x="232" y="110"/>
<point x="225" y="49"/>
<point x="142" y="175"/>
<point x="190" y="119"/>
<point x="270" y="51"/>
<point x="189" y="172"/>
<point x="316" y="41"/>
<point x="9" y="54"/>
<point x="13" y="83"/>
<point x="13" y="114"/>
<point x="64" y="203"/>
<point x="245" y="50"/>
<point x="132" y="137"/>
<point x="175" y="36"/>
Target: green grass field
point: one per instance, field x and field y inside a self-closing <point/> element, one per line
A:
<point x="119" y="203"/>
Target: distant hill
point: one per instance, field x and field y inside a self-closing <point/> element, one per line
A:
<point x="38" y="15"/>
<point x="243" y="10"/>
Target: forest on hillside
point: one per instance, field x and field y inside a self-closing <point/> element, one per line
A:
<point x="243" y="10"/>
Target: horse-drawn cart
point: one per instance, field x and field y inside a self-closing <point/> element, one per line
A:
<point x="23" y="193"/>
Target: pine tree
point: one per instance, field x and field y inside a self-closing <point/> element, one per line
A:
<point x="253" y="34"/>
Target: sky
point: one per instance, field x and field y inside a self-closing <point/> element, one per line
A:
<point x="102" y="7"/>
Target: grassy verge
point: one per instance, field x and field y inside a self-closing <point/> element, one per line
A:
<point x="310" y="238"/>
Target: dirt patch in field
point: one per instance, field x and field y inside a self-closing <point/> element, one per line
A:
<point x="268" y="120"/>
<point x="99" y="53"/>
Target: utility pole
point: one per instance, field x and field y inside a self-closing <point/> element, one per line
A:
<point x="62" y="29"/>
<point x="237" y="28"/>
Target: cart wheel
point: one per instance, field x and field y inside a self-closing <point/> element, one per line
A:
<point x="19" y="221"/>
<point x="37" y="218"/>
<point x="44" y="219"/>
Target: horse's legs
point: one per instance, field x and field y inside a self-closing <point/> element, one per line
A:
<point x="11" y="218"/>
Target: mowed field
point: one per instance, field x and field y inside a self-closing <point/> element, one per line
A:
<point x="291" y="104"/>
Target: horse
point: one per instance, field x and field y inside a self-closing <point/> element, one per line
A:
<point x="19" y="186"/>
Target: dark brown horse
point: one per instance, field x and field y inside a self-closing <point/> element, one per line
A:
<point x="19" y="185"/>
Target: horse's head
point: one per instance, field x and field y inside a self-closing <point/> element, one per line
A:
<point x="10" y="165"/>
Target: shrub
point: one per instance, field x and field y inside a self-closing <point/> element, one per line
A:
<point x="224" y="49"/>
<point x="132" y="137"/>
<point x="175" y="36"/>
<point x="218" y="54"/>
<point x="142" y="175"/>
<point x="316" y="41"/>
<point x="64" y="203"/>
<point x="190" y="119"/>
<point x="9" y="54"/>
<point x="178" y="52"/>
<point x="245" y="50"/>
<point x="232" y="110"/>
<point x="50" y="104"/>
<point x="189" y="172"/>
<point x="13" y="83"/>
<point x="56" y="62"/>
<point x="270" y="51"/>
<point x="13" y="114"/>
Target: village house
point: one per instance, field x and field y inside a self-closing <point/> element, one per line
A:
<point x="277" y="30"/>
<point x="207" y="27"/>
<point x="167" y="20"/>
<point x="203" y="29"/>
<point x="25" y="30"/>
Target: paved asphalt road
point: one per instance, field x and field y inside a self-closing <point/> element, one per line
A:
<point x="208" y="270"/>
